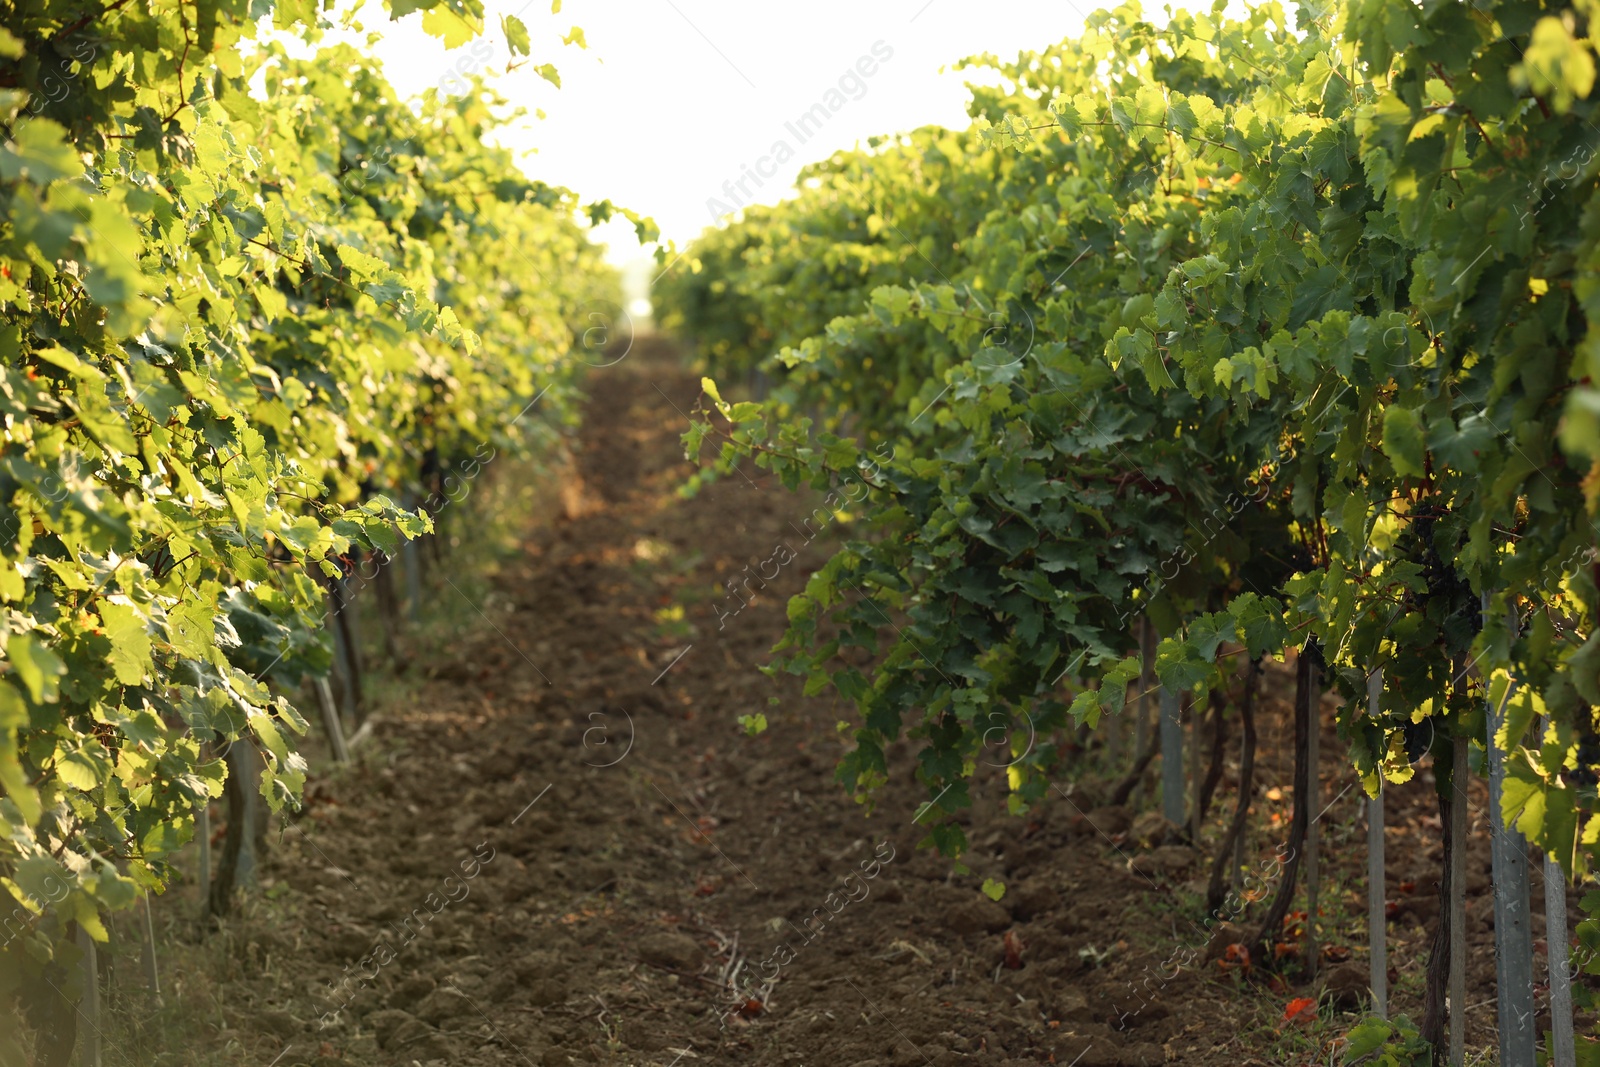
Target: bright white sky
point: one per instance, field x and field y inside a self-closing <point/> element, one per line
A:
<point x="673" y="98"/>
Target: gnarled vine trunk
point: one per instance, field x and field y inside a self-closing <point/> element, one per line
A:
<point x="53" y="1017"/>
<point x="1228" y="847"/>
<point x="1219" y="744"/>
<point x="1437" y="977"/>
<point x="1310" y="660"/>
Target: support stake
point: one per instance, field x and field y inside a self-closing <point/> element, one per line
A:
<point x="1513" y="938"/>
<point x="1377" y="916"/>
<point x="1314" y="794"/>
<point x="1196" y="746"/>
<point x="1171" y="758"/>
<point x="413" y="562"/>
<point x="241" y="763"/>
<point x="1147" y="681"/>
<point x="202" y="830"/>
<point x="1111" y="726"/>
<point x="1562" y="1044"/>
<point x="147" y="950"/>
<point x="1458" y="903"/>
<point x="89" y="1006"/>
<point x="330" y="721"/>
<point x="346" y="657"/>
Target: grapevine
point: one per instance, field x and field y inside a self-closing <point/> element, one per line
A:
<point x="236" y="328"/>
<point x="1273" y="330"/>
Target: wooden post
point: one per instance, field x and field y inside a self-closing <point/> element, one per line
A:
<point x="1563" y="1047"/>
<point x="1196" y="746"/>
<point x="1147" y="681"/>
<point x="1171" y="758"/>
<point x="1458" y="903"/>
<point x="241" y="762"/>
<point x="340" y="667"/>
<point x="1562" y="1044"/>
<point x="202" y="830"/>
<point x="382" y="582"/>
<point x="1513" y="937"/>
<point x="1111" y="726"/>
<point x="330" y="720"/>
<point x="89" y="1006"/>
<point x="1377" y="915"/>
<point x="147" y="950"/>
<point x="413" y="563"/>
<point x="352" y="624"/>
<point x="344" y="647"/>
<point x="1314" y="796"/>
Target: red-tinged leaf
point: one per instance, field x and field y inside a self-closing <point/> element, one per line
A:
<point x="1013" y="947"/>
<point x="1301" y="1010"/>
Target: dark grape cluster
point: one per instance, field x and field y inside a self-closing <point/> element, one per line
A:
<point x="1588" y="769"/>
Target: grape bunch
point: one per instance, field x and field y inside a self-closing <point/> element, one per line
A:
<point x="1587" y="772"/>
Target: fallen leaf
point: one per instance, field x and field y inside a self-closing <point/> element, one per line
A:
<point x="1013" y="946"/>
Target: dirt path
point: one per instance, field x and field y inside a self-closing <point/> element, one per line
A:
<point x="564" y="850"/>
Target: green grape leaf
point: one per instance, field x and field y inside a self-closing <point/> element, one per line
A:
<point x="130" y="641"/>
<point x="39" y="152"/>
<point x="1403" y="441"/>
<point x="516" y="35"/>
<point x="38" y="668"/>
<point x="454" y="28"/>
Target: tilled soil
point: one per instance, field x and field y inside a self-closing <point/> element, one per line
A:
<point x="562" y="848"/>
